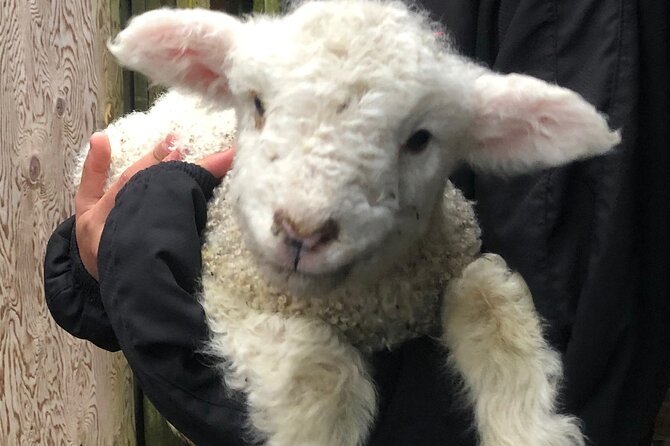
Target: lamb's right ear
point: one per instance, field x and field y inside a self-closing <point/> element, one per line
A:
<point x="522" y="124"/>
<point x="183" y="48"/>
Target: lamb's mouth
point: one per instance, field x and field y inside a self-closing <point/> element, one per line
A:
<point x="301" y="281"/>
<point x="292" y="273"/>
<point x="289" y="274"/>
<point x="336" y="275"/>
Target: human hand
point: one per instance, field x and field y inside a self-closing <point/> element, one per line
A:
<point x="93" y="203"/>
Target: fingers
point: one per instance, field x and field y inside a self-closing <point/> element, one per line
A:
<point x="158" y="154"/>
<point x="94" y="173"/>
<point x="93" y="204"/>
<point x="218" y="164"/>
<point x="175" y="155"/>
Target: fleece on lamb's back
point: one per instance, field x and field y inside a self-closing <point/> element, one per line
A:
<point x="334" y="234"/>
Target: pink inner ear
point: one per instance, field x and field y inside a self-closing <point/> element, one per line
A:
<point x="500" y="136"/>
<point x="197" y="72"/>
<point x="514" y="122"/>
<point x="521" y="123"/>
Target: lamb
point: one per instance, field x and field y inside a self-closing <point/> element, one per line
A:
<point x="337" y="232"/>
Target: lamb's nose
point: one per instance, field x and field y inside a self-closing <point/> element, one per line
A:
<point x="303" y="236"/>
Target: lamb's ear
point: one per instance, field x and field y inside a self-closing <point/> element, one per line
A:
<point x="184" y="48"/>
<point x="522" y="123"/>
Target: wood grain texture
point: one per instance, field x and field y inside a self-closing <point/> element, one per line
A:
<point x="57" y="85"/>
<point x="192" y="4"/>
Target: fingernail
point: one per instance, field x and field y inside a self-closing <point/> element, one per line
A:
<point x="175" y="155"/>
<point x="170" y="140"/>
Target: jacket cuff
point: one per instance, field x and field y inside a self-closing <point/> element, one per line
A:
<point x="205" y="180"/>
<point x="72" y="295"/>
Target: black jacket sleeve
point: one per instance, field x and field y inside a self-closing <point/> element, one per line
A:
<point x="72" y="295"/>
<point x="149" y="264"/>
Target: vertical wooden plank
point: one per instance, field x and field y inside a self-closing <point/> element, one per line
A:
<point x="267" y="6"/>
<point x="193" y="4"/>
<point x="232" y="6"/>
<point x="125" y="13"/>
<point x="157" y="431"/>
<point x="140" y="83"/>
<point x="112" y="74"/>
<point x="54" y="389"/>
<point x="114" y="391"/>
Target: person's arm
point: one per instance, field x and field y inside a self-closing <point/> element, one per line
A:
<point x="70" y="267"/>
<point x="149" y="264"/>
<point x="181" y="383"/>
<point x="72" y="294"/>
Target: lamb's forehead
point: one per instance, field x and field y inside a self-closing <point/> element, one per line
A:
<point x="348" y="40"/>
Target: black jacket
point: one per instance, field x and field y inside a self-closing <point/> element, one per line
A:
<point x="591" y="238"/>
<point x="149" y="263"/>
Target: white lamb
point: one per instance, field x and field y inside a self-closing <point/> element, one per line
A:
<point x="337" y="232"/>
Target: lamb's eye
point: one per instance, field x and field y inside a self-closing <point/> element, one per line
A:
<point x="259" y="117"/>
<point x="260" y="108"/>
<point x="417" y="142"/>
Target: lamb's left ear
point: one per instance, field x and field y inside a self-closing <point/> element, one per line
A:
<point x="522" y="123"/>
<point x="184" y="48"/>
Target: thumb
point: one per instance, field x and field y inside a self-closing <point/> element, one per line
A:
<point x="94" y="173"/>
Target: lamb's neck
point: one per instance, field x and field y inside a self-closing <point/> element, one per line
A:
<point x="401" y="304"/>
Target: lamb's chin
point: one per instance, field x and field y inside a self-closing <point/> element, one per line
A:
<point x="301" y="283"/>
<point x="361" y="272"/>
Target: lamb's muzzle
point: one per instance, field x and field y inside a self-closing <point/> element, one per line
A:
<point x="306" y="237"/>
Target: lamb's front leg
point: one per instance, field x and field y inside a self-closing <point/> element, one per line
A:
<point x="510" y="373"/>
<point x="304" y="385"/>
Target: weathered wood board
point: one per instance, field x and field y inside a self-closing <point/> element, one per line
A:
<point x="57" y="85"/>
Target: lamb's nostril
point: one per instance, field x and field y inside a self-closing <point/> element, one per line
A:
<point x="302" y="236"/>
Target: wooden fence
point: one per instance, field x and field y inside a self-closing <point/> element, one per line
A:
<point x="58" y="84"/>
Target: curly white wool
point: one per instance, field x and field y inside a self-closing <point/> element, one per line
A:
<point x="403" y="303"/>
<point x="199" y="131"/>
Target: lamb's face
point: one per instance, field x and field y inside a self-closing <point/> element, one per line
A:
<point x="340" y="157"/>
<point x="351" y="114"/>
